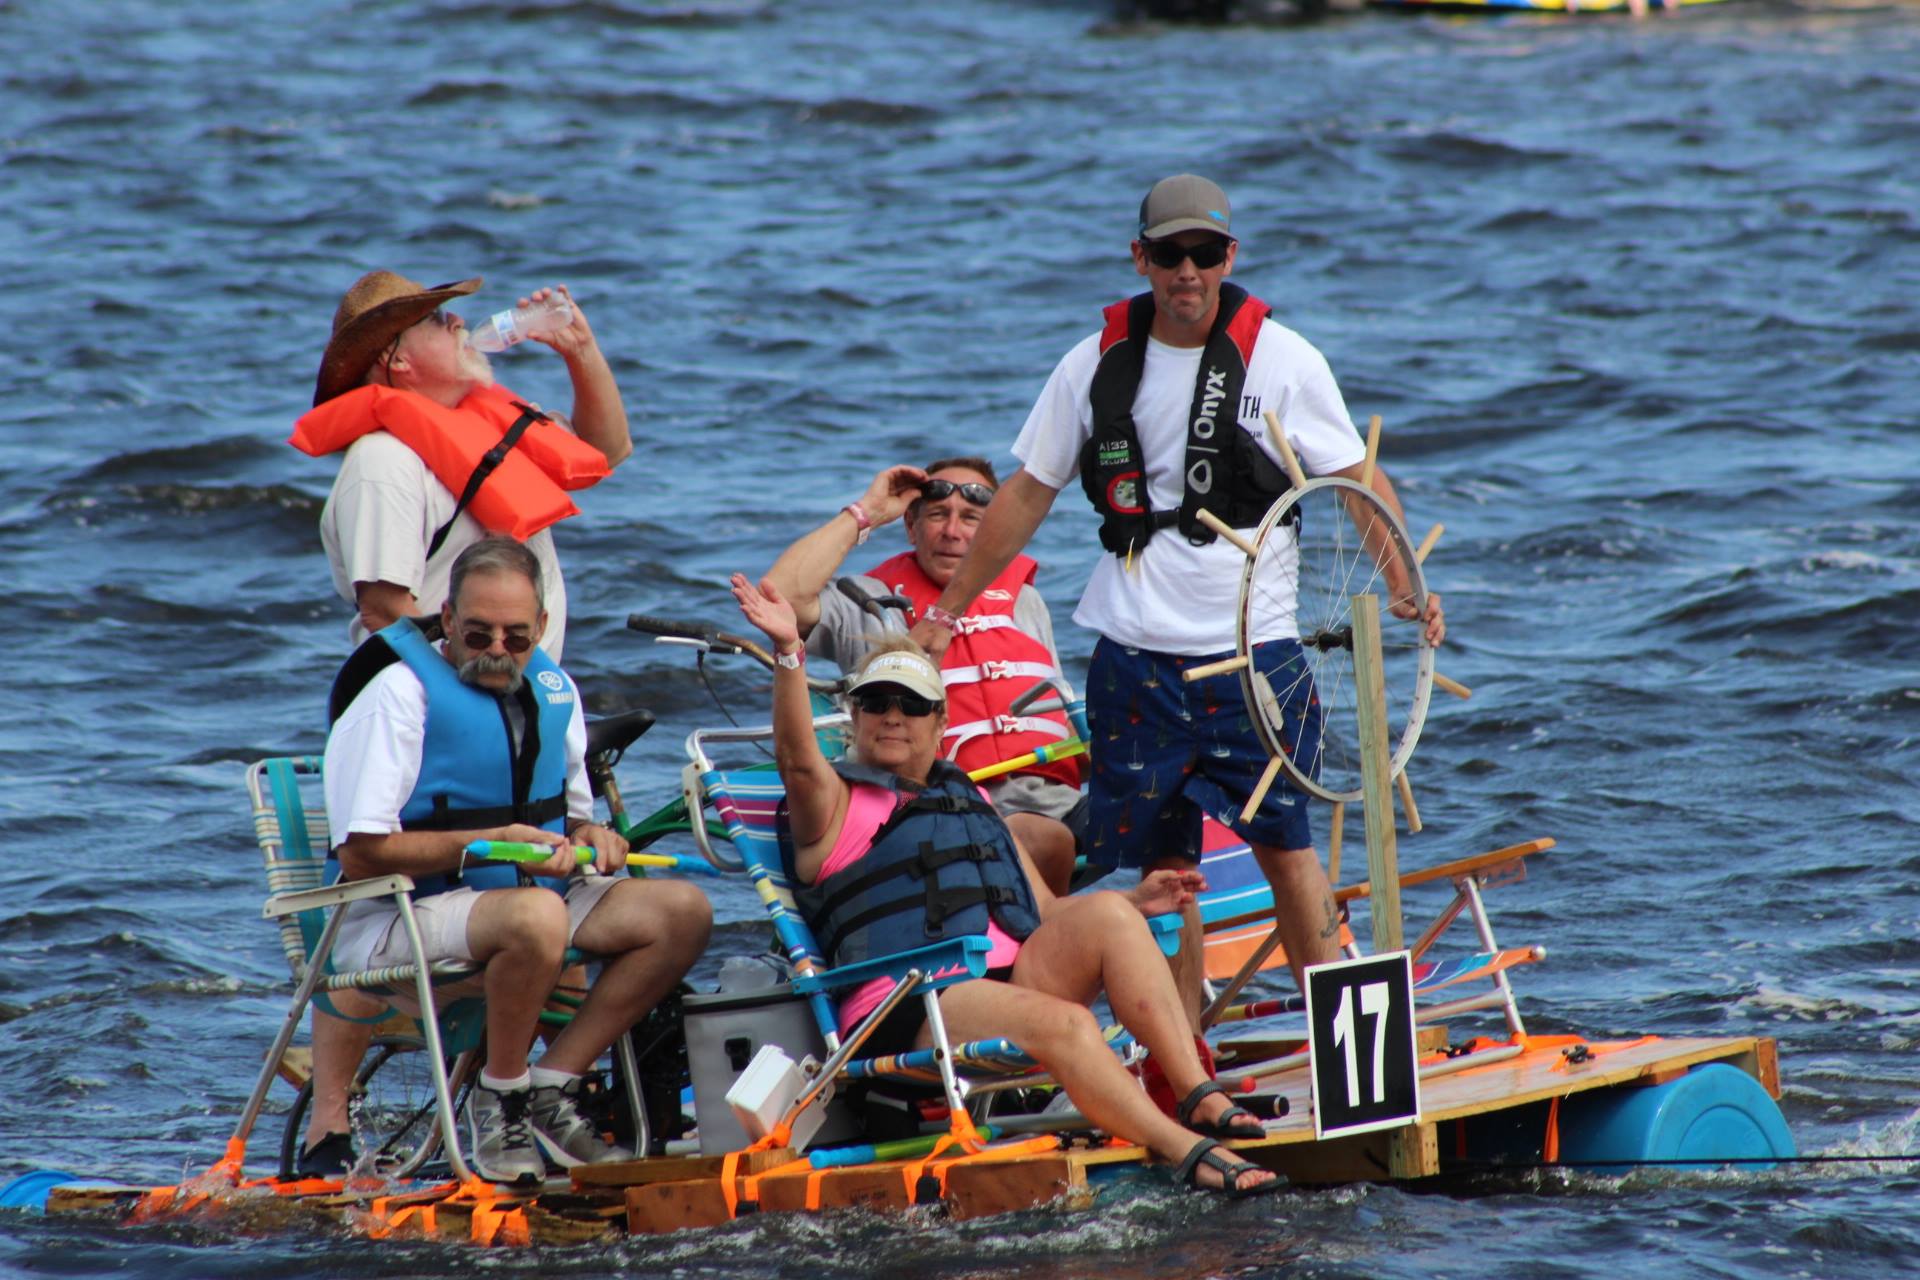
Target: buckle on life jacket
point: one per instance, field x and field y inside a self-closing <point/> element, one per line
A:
<point x="996" y="669"/>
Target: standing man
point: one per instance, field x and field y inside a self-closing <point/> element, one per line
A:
<point x="1005" y="641"/>
<point x="1159" y="415"/>
<point x="436" y="455"/>
<point x="482" y="738"/>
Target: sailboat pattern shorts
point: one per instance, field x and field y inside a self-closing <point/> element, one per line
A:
<point x="1165" y="752"/>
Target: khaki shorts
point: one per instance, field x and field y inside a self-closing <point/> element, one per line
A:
<point x="442" y="918"/>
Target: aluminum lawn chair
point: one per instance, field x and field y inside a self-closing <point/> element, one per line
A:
<point x="746" y="802"/>
<point x="294" y="841"/>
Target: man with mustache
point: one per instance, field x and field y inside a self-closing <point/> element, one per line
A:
<point x="483" y="739"/>
<point x="1158" y="416"/>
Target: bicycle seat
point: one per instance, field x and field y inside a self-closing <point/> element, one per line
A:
<point x="614" y="734"/>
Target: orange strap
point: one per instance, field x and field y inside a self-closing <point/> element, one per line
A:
<point x="814" y="1180"/>
<point x="730" y="1163"/>
<point x="977" y="1151"/>
<point x="752" y="1180"/>
<point x="1550" y="1147"/>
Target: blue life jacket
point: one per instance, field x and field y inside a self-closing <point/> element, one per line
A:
<point x="939" y="867"/>
<point x="471" y="776"/>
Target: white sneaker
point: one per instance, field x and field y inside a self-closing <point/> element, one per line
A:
<point x="499" y="1136"/>
<point x="569" y="1138"/>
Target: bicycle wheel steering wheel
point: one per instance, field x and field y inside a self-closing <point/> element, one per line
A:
<point x="1318" y="546"/>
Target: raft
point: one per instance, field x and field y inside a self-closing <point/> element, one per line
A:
<point x="1605" y="1105"/>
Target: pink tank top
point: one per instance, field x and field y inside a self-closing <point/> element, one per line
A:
<point x="867" y="808"/>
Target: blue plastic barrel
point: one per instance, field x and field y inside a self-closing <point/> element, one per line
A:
<point x="1712" y="1114"/>
<point x="30" y="1190"/>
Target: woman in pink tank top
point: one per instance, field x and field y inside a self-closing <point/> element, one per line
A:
<point x="1038" y="989"/>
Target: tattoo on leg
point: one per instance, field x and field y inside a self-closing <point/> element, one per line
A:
<point x="1332" y="927"/>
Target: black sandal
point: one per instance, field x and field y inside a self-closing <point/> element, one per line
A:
<point x="1232" y="1124"/>
<point x="1207" y="1151"/>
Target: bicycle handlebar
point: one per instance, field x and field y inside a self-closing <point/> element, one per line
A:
<point x="707" y="636"/>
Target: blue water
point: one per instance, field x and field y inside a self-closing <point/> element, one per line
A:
<point x="1639" y="303"/>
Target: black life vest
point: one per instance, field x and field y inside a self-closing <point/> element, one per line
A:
<point x="939" y="867"/>
<point x="1226" y="471"/>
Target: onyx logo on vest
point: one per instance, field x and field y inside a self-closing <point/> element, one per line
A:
<point x="1200" y="470"/>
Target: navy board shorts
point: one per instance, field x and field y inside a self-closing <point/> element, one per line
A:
<point x="1166" y="752"/>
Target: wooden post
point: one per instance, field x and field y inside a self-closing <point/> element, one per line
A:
<point x="1376" y="782"/>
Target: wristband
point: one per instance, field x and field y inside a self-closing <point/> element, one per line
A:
<point x="941" y="618"/>
<point x="790" y="661"/>
<point x="859" y="514"/>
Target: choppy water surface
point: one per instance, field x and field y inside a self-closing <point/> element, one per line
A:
<point x="1637" y="301"/>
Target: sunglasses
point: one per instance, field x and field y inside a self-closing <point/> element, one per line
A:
<point x="910" y="704"/>
<point x="1206" y="255"/>
<point x="440" y="319"/>
<point x="479" y="641"/>
<point x="937" y="490"/>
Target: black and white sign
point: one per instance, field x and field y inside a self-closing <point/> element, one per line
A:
<point x="1366" y="1072"/>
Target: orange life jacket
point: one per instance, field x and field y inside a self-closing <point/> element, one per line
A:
<point x="525" y="493"/>
<point x="989" y="664"/>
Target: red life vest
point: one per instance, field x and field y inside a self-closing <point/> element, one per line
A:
<point x="525" y="493"/>
<point x="989" y="664"/>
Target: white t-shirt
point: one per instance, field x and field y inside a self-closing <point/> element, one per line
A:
<point x="1179" y="598"/>
<point x="373" y="762"/>
<point x="385" y="507"/>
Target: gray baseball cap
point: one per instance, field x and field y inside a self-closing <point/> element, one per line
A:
<point x="1184" y="202"/>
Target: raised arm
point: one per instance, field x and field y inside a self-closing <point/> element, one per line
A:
<point x="802" y="570"/>
<point x="599" y="417"/>
<point x="1016" y="511"/>
<point x="816" y="795"/>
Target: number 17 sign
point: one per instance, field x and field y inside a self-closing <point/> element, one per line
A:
<point x="1366" y="1072"/>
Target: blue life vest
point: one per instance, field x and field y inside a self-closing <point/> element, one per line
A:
<point x="471" y="776"/>
<point x="939" y="867"/>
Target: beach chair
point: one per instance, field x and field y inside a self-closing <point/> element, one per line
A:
<point x="293" y="839"/>
<point x="1236" y="914"/>
<point x="746" y="801"/>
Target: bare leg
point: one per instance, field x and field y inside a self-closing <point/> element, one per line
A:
<point x="1303" y="908"/>
<point x="653" y="930"/>
<point x="1050" y="844"/>
<point x="520" y="936"/>
<point x="338" y="1046"/>
<point x="1088" y="943"/>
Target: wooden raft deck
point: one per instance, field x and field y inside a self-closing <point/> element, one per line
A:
<point x="680" y="1193"/>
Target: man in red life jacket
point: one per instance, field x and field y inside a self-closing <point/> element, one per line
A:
<point x="1159" y="415"/>
<point x="417" y="412"/>
<point x="1006" y="644"/>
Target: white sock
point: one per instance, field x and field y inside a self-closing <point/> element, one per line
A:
<point x="548" y="1078"/>
<point x="490" y="1081"/>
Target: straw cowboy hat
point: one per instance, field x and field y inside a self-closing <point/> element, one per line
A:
<point x="379" y="307"/>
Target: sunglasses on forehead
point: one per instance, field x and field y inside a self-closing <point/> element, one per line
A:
<point x="1206" y="255"/>
<point x="878" y="703"/>
<point x="939" y="490"/>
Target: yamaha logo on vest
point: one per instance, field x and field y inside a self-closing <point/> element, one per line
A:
<point x="552" y="679"/>
<point x="1200" y="473"/>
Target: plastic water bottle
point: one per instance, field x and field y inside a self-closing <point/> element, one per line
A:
<point x="504" y="328"/>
